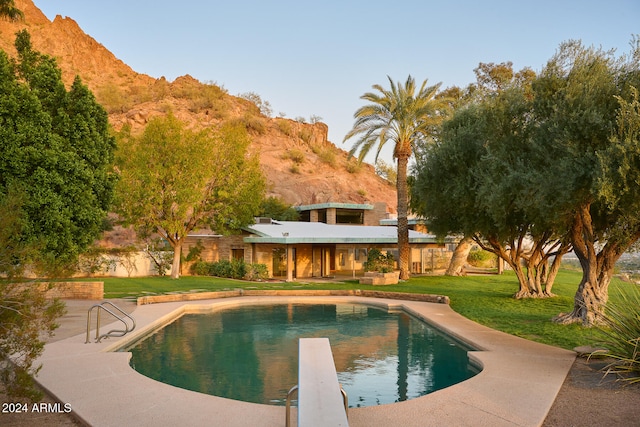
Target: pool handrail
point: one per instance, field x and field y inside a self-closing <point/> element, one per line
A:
<point x="113" y="332"/>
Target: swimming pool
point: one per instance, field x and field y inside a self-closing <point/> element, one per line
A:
<point x="249" y="353"/>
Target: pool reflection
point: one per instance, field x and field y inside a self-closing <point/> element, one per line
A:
<point x="250" y="353"/>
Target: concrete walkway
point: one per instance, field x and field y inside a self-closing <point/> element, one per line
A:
<point x="517" y="386"/>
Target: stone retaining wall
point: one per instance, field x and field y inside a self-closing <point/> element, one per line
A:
<point x="154" y="299"/>
<point x="73" y="290"/>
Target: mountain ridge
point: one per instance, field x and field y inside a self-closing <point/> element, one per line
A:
<point x="300" y="164"/>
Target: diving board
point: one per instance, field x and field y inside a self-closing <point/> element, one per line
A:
<point x="320" y="399"/>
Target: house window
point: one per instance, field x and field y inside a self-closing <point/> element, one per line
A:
<point x="349" y="216"/>
<point x="305" y="216"/>
<point x="342" y="258"/>
<point x="237" y="254"/>
<point x="361" y="255"/>
<point x="279" y="266"/>
<point x="322" y="215"/>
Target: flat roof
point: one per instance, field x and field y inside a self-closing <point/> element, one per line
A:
<point x="394" y="221"/>
<point x="365" y="207"/>
<point x="292" y="232"/>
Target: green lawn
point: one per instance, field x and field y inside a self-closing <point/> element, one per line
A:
<point x="484" y="299"/>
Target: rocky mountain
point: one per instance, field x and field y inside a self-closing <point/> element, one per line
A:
<point x="300" y="164"/>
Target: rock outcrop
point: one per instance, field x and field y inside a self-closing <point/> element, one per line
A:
<point x="300" y="164"/>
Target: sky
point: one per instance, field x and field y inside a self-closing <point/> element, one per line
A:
<point x="319" y="58"/>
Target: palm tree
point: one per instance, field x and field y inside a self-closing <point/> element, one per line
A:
<point x="403" y="115"/>
<point x="8" y="10"/>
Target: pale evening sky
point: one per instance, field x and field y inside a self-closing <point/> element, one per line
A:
<point x="318" y="58"/>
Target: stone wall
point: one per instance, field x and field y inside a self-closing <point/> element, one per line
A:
<point x="73" y="290"/>
<point x="379" y="212"/>
<point x="196" y="296"/>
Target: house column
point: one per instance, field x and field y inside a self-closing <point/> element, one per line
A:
<point x="331" y="216"/>
<point x="289" y="264"/>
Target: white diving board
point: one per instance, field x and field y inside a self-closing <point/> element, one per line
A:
<point x="320" y="401"/>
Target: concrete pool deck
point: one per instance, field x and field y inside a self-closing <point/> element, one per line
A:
<point x="519" y="382"/>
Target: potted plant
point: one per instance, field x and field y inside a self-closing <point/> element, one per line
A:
<point x="380" y="269"/>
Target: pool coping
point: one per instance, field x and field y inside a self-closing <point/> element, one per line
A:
<point x="519" y="382"/>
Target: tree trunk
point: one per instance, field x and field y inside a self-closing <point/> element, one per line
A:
<point x="403" y="223"/>
<point x="597" y="271"/>
<point x="459" y="258"/>
<point x="175" y="266"/>
<point x="512" y="257"/>
<point x="535" y="271"/>
<point x="589" y="300"/>
<point x="555" y="267"/>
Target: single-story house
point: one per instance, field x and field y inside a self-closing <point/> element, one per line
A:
<point x="299" y="249"/>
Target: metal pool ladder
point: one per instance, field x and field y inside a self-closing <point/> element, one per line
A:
<point x="114" y="332"/>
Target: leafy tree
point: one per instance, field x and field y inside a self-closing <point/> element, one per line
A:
<point x="491" y="110"/>
<point x="174" y="179"/>
<point x="275" y="208"/>
<point x="404" y="115"/>
<point x="555" y="163"/>
<point x="55" y="188"/>
<point x="263" y="105"/>
<point x="314" y="118"/>
<point x="57" y="152"/>
<point x="586" y="108"/>
<point x="476" y="183"/>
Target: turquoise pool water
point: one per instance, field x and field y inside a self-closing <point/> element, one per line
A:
<point x="250" y="353"/>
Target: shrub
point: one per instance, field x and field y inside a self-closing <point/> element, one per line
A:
<point x="252" y="123"/>
<point x="202" y="268"/>
<point x="257" y="272"/>
<point x="113" y="99"/>
<point x="294" y="169"/>
<point x="222" y="268"/>
<point x="27" y="317"/>
<point x="481" y="258"/>
<point x="203" y="97"/>
<point x="234" y="269"/>
<point x="305" y="134"/>
<point x="285" y="126"/>
<point x="275" y="208"/>
<point x="263" y="106"/>
<point x="295" y="155"/>
<point x="353" y="166"/>
<point x="621" y="328"/>
<point x="327" y="156"/>
<point x="377" y="261"/>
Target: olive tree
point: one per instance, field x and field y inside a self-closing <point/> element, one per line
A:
<point x="477" y="182"/>
<point x="586" y="108"/>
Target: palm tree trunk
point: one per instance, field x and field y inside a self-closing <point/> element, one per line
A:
<point x="403" y="222"/>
